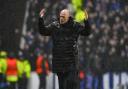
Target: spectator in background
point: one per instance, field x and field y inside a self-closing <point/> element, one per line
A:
<point x="12" y="71"/>
<point x="25" y="71"/>
<point x="3" y="65"/>
<point x="82" y="79"/>
<point x="42" y="69"/>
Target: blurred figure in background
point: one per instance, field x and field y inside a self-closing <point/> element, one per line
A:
<point x="12" y="71"/>
<point x="3" y="65"/>
<point x="20" y="74"/>
<point x="82" y="78"/>
<point x="25" y="72"/>
<point x="42" y="69"/>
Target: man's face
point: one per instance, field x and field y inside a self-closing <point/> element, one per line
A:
<point x="64" y="16"/>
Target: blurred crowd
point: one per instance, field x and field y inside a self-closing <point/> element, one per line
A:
<point x="107" y="47"/>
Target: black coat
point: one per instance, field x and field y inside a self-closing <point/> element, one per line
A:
<point x="64" y="42"/>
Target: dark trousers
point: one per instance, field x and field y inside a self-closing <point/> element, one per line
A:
<point x="42" y="78"/>
<point x="68" y="80"/>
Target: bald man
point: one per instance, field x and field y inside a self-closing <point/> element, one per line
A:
<point x="65" y="33"/>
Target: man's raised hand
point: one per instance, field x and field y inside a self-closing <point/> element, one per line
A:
<point x="42" y="12"/>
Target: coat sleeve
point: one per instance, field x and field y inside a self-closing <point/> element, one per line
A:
<point x="83" y="30"/>
<point x="45" y="30"/>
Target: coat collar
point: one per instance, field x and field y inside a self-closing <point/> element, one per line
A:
<point x="69" y="23"/>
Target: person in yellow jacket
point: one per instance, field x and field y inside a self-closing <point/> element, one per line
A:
<point x="3" y="57"/>
<point x="20" y="68"/>
<point x="24" y="74"/>
<point x="27" y="68"/>
<point x="81" y="15"/>
<point x="76" y="4"/>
